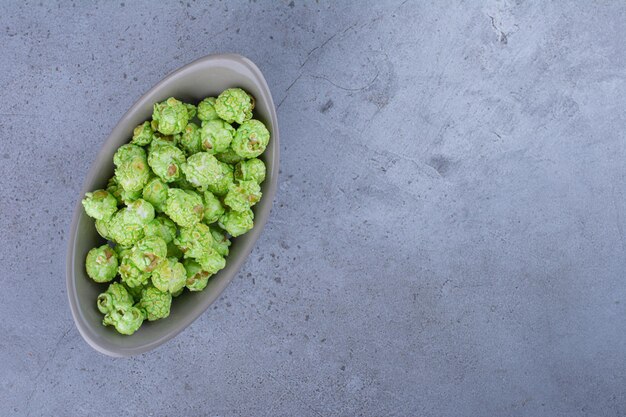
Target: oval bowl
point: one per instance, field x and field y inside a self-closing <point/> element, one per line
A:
<point x="205" y="77"/>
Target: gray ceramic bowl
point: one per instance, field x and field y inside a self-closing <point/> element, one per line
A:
<point x="207" y="76"/>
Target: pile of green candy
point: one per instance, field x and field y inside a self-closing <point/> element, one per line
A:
<point x="181" y="189"/>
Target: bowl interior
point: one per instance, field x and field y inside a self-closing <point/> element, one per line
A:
<point x="205" y="77"/>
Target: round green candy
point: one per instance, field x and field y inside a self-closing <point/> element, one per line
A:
<point x="202" y="169"/>
<point x="251" y="139"/>
<point x="143" y="134"/>
<point x="101" y="264"/>
<point x="206" y="109"/>
<point x="184" y="207"/>
<point x="224" y="181"/>
<point x="115" y="296"/>
<point x="102" y="227"/>
<point x="100" y="204"/>
<point x="216" y="136"/>
<point x="236" y="223"/>
<point x="155" y="303"/>
<point x="127" y="320"/>
<point x="127" y="152"/>
<point x="125" y="228"/>
<point x="191" y="110"/>
<point x="147" y="253"/>
<point x="250" y="170"/>
<point x="194" y="241"/>
<point x="170" y="116"/>
<point x="190" y="139"/>
<point x="169" y="276"/>
<point x="229" y="156"/>
<point x="220" y="241"/>
<point x="197" y="278"/>
<point x="142" y="210"/>
<point x="155" y="193"/>
<point x="243" y="195"/>
<point x="234" y="105"/>
<point x="132" y="171"/>
<point x="212" y="261"/>
<point x="213" y="208"/>
<point x="162" y="227"/>
<point x="165" y="160"/>
<point x="130" y="273"/>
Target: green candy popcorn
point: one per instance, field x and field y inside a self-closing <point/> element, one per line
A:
<point x="216" y="136"/>
<point x="147" y="253"/>
<point x="143" y="134"/>
<point x="155" y="193"/>
<point x="115" y="296"/>
<point x="162" y="227"/>
<point x="195" y="241"/>
<point x="223" y="183"/>
<point x="236" y="223"/>
<point x="213" y="208"/>
<point x="170" y="116"/>
<point x="101" y="264"/>
<point x="169" y="276"/>
<point x="184" y="207"/>
<point x="243" y="195"/>
<point x="220" y="241"/>
<point x="234" y="105"/>
<point x="142" y="210"/>
<point x="165" y="160"/>
<point x="197" y="278"/>
<point x="125" y="227"/>
<point x="229" y="156"/>
<point x="206" y="109"/>
<point x="127" y="320"/>
<point x="250" y="170"/>
<point x="190" y="139"/>
<point x="100" y="204"/>
<point x="202" y="169"/>
<point x="212" y="261"/>
<point x="132" y="171"/>
<point x="251" y="139"/>
<point x="191" y="110"/>
<point x="155" y="303"/>
<point x="130" y="273"/>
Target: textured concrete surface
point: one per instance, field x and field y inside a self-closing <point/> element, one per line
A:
<point x="448" y="238"/>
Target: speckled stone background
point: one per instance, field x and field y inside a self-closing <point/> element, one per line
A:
<point x="447" y="239"/>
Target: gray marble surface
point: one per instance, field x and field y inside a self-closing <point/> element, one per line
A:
<point x="448" y="235"/>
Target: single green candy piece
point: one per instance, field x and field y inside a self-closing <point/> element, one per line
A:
<point x="162" y="227"/>
<point x="130" y="273"/>
<point x="127" y="152"/>
<point x="243" y="195"/>
<point x="170" y="116"/>
<point x="234" y="105"/>
<point x="202" y="169"/>
<point x="195" y="241"/>
<point x="197" y="278"/>
<point x="251" y="139"/>
<point x="155" y="193"/>
<point x="216" y="136"/>
<point x="229" y="156"/>
<point x="142" y="210"/>
<point x="125" y="228"/>
<point x="102" y="227"/>
<point x="132" y="171"/>
<point x="213" y="208"/>
<point x="165" y="160"/>
<point x="212" y="261"/>
<point x="169" y="276"/>
<point x="101" y="264"/>
<point x="220" y="241"/>
<point x="155" y="303"/>
<point x="191" y="110"/>
<point x="127" y="320"/>
<point x="100" y="204"/>
<point x="184" y="207"/>
<point x="206" y="109"/>
<point x="236" y="223"/>
<point x="190" y="139"/>
<point x="250" y="170"/>
<point x="224" y="181"/>
<point x="147" y="253"/>
<point x="143" y="134"/>
<point x="115" y="296"/>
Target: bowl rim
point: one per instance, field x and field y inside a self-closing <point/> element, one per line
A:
<point x="72" y="293"/>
